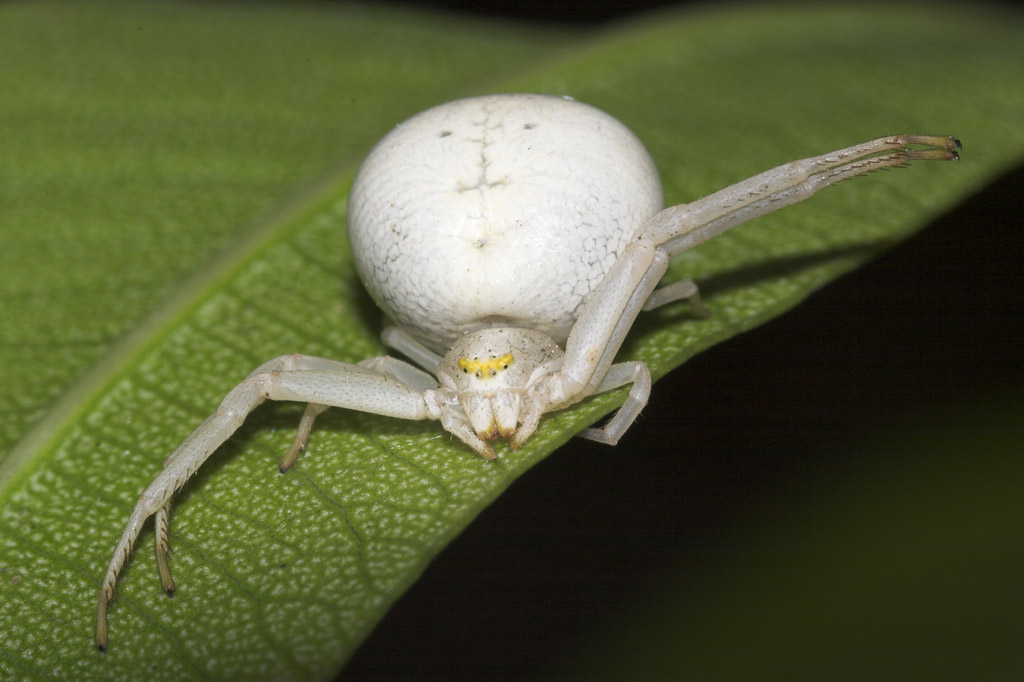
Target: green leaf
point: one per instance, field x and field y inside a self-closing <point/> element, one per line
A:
<point x="173" y="183"/>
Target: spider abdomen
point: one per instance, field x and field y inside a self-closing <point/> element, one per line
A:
<point x="503" y="210"/>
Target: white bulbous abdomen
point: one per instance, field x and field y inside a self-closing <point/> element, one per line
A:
<point x="504" y="210"/>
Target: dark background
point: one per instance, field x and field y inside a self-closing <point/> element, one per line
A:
<point x="932" y="326"/>
<point x="579" y="12"/>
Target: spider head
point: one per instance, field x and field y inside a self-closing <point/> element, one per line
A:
<point x="490" y="371"/>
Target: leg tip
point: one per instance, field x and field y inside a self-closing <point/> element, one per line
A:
<point x="100" y="634"/>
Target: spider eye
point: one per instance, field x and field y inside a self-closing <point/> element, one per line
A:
<point x="486" y="368"/>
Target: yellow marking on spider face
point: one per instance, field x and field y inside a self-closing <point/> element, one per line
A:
<point x="487" y="367"/>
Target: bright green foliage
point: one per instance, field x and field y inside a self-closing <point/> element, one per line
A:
<point x="172" y="198"/>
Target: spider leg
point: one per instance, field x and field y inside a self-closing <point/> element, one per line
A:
<point x="413" y="377"/>
<point x="682" y="227"/>
<point x="404" y="343"/>
<point x="602" y="325"/>
<point x="163" y="547"/>
<point x="608" y="315"/>
<point x="631" y="284"/>
<point x="313" y="410"/>
<point x="683" y="290"/>
<point x="317" y="381"/>
<point x="620" y="374"/>
<point x="405" y="373"/>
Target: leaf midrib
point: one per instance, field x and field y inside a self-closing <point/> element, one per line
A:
<point x="204" y="281"/>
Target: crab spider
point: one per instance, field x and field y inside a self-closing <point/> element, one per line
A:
<point x="512" y="239"/>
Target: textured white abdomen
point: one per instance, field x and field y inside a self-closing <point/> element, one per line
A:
<point x="500" y="210"/>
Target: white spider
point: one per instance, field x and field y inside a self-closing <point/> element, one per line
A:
<point x="513" y="239"/>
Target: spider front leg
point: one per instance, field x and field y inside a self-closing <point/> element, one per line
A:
<point x="682" y="227"/>
<point x="317" y="381"/>
<point x="606" y="318"/>
<point x="631" y="283"/>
